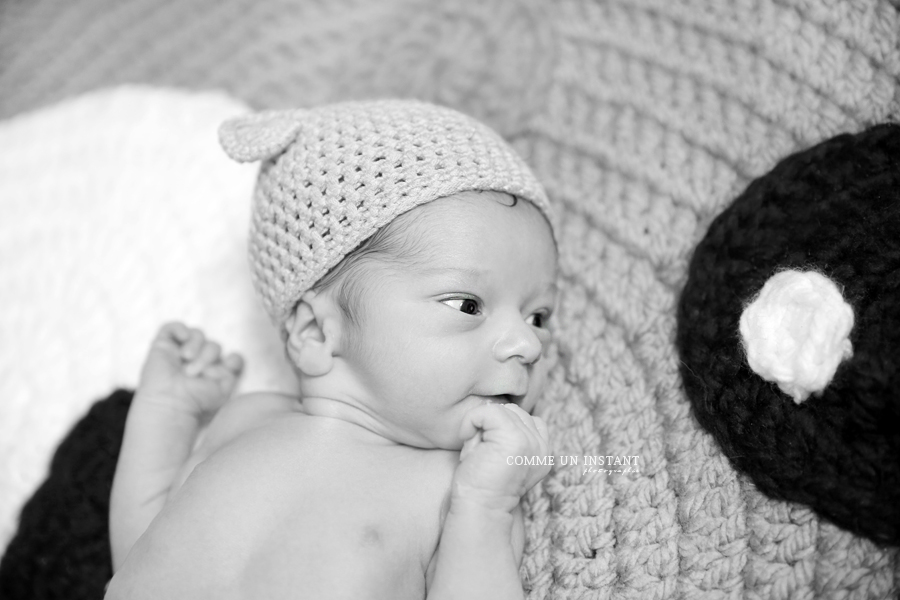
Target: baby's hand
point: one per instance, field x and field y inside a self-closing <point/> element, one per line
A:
<point x="186" y="372"/>
<point x="495" y="435"/>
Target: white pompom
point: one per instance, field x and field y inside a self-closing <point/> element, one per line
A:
<point x="796" y="332"/>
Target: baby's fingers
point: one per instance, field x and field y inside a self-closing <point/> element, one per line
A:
<point x="175" y="330"/>
<point x="226" y="372"/>
<point x="208" y="355"/>
<point x="484" y="418"/>
<point x="234" y="363"/>
<point x="543" y="433"/>
<point x="192" y="346"/>
<point x="225" y="377"/>
<point x="535" y="431"/>
<point x="505" y="425"/>
<point x="535" y="427"/>
<point x="527" y="420"/>
<point x="171" y="335"/>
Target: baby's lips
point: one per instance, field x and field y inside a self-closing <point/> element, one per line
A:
<point x="516" y="399"/>
<point x="501" y="398"/>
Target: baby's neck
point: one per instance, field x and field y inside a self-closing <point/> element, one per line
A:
<point x="368" y="425"/>
<point x="340" y="394"/>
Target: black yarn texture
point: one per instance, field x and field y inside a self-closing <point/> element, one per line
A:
<point x="61" y="548"/>
<point x="834" y="208"/>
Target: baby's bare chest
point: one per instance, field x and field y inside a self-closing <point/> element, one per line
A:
<point x="311" y="506"/>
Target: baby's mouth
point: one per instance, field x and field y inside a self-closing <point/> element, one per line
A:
<point x="507" y="398"/>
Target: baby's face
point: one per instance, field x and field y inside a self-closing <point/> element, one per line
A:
<point x="465" y="323"/>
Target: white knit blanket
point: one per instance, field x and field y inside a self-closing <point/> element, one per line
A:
<point x="120" y="212"/>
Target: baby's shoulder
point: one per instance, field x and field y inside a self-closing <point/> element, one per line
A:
<point x="274" y="403"/>
<point x="246" y="412"/>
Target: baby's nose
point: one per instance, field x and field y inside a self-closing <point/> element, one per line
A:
<point x="518" y="341"/>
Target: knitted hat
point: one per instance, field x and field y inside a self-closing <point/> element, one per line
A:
<point x="789" y="331"/>
<point x="333" y="175"/>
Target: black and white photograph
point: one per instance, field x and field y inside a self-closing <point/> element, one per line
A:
<point x="467" y="299"/>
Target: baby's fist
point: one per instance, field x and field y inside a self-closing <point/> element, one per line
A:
<point x="188" y="372"/>
<point x="498" y="436"/>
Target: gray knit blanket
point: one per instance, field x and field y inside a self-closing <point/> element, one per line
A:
<point x="644" y="119"/>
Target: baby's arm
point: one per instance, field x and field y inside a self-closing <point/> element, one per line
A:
<point x="183" y="382"/>
<point x="476" y="557"/>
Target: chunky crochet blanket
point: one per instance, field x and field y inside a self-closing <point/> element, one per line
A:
<point x="644" y="119"/>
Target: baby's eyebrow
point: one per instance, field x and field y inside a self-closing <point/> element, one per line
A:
<point x="474" y="274"/>
<point x="470" y="273"/>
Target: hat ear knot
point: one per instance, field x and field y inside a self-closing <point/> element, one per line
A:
<point x="260" y="136"/>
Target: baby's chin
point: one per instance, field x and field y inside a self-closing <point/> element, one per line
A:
<point x="447" y="441"/>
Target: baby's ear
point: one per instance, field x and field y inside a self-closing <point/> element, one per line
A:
<point x="312" y="333"/>
<point x="260" y="136"/>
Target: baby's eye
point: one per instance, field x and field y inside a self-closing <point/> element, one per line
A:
<point x="538" y="319"/>
<point x="469" y="306"/>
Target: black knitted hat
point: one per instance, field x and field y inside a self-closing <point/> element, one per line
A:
<point x="833" y="209"/>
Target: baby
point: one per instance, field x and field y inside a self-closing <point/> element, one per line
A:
<point x="406" y="254"/>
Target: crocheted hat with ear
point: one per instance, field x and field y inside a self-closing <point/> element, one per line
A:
<point x="333" y="175"/>
<point x="789" y="331"/>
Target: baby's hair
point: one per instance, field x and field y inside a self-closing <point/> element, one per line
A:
<point x="393" y="243"/>
<point x="389" y="243"/>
